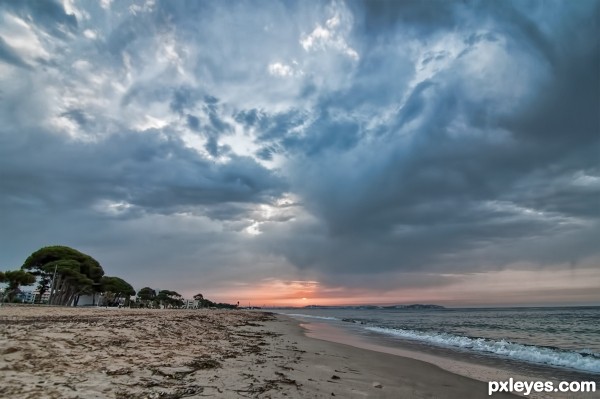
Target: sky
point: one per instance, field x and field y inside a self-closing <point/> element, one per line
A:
<point x="297" y="153"/>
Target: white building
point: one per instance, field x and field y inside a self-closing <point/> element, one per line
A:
<point x="191" y="304"/>
<point x="27" y="296"/>
<point x="31" y="296"/>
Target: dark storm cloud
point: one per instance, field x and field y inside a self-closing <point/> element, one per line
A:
<point x="147" y="170"/>
<point x="184" y="98"/>
<point x="77" y="115"/>
<point x="427" y="194"/>
<point x="193" y="122"/>
<point x="381" y="15"/>
<point x="408" y="136"/>
<point x="420" y="18"/>
<point x="272" y="127"/>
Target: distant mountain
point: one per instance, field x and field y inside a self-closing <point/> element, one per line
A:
<point x="416" y="306"/>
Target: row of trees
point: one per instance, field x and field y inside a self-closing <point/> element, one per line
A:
<point x="68" y="274"/>
<point x="205" y="303"/>
<point x="149" y="298"/>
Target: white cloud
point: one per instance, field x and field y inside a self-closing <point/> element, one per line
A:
<point x="148" y="6"/>
<point x="279" y="69"/>
<point x="332" y="36"/>
<point x="112" y="208"/>
<point x="285" y="70"/>
<point x="70" y="8"/>
<point x="90" y="34"/>
<point x="105" y="4"/>
<point x="23" y="38"/>
<point x="254" y="229"/>
<point x="584" y="180"/>
<point x="319" y="36"/>
<point x="150" y="122"/>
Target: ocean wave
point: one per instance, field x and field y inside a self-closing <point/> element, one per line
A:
<point x="589" y="362"/>
<point x="311" y="316"/>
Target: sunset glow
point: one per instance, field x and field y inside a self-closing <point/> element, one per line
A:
<point x="505" y="288"/>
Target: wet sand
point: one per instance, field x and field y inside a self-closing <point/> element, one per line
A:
<point x="53" y="352"/>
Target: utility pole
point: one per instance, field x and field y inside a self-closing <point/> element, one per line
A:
<point x="52" y="286"/>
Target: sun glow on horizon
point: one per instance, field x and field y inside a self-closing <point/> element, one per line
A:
<point x="463" y="290"/>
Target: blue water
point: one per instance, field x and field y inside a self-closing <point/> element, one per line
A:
<point x="560" y="337"/>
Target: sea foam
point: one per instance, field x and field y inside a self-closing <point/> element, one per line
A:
<point x="589" y="362"/>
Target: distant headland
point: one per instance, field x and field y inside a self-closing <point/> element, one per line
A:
<point x="416" y="306"/>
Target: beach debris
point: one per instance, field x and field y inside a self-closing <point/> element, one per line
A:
<point x="335" y="377"/>
<point x="175" y="394"/>
<point x="10" y="349"/>
<point x="203" y="363"/>
<point x="121" y="371"/>
<point x="258" y="389"/>
<point x="176" y="373"/>
<point x="143" y="354"/>
<point x="377" y="385"/>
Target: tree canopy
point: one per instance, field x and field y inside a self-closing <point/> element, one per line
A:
<point x="76" y="273"/>
<point x="169" y="298"/>
<point x="70" y="273"/>
<point x="15" y="279"/>
<point x="206" y="303"/>
<point x="146" y="294"/>
<point x="115" y="288"/>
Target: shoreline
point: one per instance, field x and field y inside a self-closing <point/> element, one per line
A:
<point x="481" y="369"/>
<point x="472" y="365"/>
<point x="134" y="353"/>
<point x="399" y="376"/>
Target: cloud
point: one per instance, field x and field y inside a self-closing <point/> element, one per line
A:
<point x="328" y="37"/>
<point x="376" y="143"/>
<point x="279" y="69"/>
<point x="154" y="171"/>
<point x="9" y="55"/>
<point x="421" y="190"/>
<point x="49" y="16"/>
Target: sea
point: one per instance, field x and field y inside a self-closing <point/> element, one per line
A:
<point x="557" y="338"/>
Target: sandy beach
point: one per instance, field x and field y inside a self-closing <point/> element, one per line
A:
<point x="53" y="352"/>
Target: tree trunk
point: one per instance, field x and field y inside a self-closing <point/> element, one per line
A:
<point x="72" y="296"/>
<point x="54" y="290"/>
<point x="65" y="292"/>
<point x="58" y="287"/>
<point x="69" y="299"/>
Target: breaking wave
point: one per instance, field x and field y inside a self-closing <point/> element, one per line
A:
<point x="583" y="361"/>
